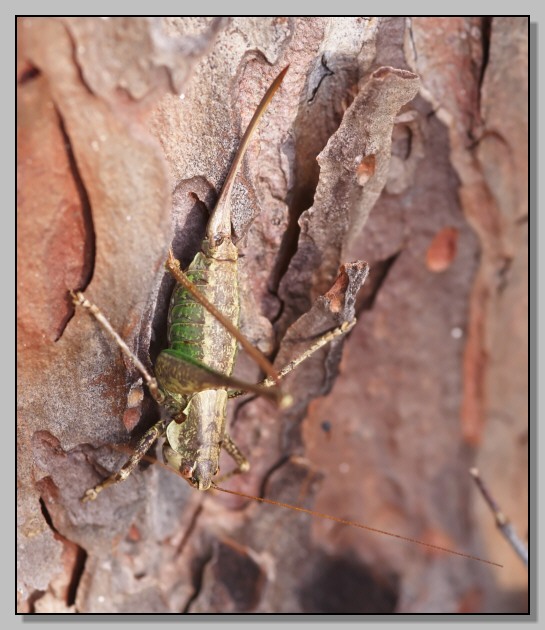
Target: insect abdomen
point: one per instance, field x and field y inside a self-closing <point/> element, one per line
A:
<point x="194" y="332"/>
<point x="186" y="318"/>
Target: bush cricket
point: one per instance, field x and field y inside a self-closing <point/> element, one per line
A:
<point x="193" y="376"/>
<point x="194" y="373"/>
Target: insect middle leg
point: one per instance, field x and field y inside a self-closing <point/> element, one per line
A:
<point x="157" y="430"/>
<point x="143" y="446"/>
<point x="243" y="465"/>
<point x="154" y="433"/>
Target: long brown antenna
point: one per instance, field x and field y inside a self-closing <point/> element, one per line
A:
<point x="328" y="517"/>
<point x="358" y="525"/>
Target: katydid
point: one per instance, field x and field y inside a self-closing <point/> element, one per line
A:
<point x="193" y="374"/>
<point x="193" y="380"/>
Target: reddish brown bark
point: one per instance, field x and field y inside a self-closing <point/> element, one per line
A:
<point x="400" y="142"/>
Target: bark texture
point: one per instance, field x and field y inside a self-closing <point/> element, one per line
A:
<point x="402" y="142"/>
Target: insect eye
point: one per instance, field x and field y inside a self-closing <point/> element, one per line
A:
<point x="187" y="472"/>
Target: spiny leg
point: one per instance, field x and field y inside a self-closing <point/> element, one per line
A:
<point x="243" y="465"/>
<point x="154" y="432"/>
<point x="322" y="341"/>
<point x="80" y="300"/>
<point x="143" y="446"/>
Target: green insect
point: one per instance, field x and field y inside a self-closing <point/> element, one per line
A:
<point x="193" y="375"/>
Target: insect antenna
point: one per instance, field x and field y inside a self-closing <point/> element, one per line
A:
<point x="356" y="524"/>
<point x="329" y="517"/>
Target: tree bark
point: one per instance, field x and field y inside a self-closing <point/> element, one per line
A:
<point x="402" y="142"/>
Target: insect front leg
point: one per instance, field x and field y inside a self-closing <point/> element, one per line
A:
<point x="243" y="465"/>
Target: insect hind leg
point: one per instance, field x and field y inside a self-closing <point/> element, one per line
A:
<point x="322" y="341"/>
<point x="80" y="300"/>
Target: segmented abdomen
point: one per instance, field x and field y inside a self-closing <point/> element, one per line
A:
<point x="192" y="330"/>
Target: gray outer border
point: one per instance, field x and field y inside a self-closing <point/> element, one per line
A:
<point x="7" y="381"/>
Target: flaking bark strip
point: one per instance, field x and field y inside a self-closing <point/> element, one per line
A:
<point x="341" y="204"/>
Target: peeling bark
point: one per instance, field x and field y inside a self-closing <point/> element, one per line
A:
<point x="126" y="128"/>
